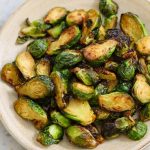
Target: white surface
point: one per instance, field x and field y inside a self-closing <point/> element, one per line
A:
<point x="6" y="141"/>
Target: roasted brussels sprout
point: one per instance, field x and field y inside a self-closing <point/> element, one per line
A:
<point x="101" y="114"/>
<point x="145" y="112"/>
<point x="112" y="85"/>
<point x="111" y="65"/>
<point x="37" y="88"/>
<point x="124" y="87"/>
<point x="108" y="7"/>
<point x="28" y="109"/>
<point x="76" y="17"/>
<point x="11" y="74"/>
<point x="96" y="54"/>
<point x="59" y="119"/>
<point x="80" y="111"/>
<point x="82" y="91"/>
<point x="138" y="131"/>
<point x="26" y="64"/>
<point x="81" y="137"/>
<point x="22" y="39"/>
<point x="116" y="102"/>
<point x="52" y="134"/>
<point x="101" y="33"/>
<point x="132" y="26"/>
<point x="67" y="39"/>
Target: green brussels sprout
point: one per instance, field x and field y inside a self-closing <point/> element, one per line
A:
<point x="11" y="74"/>
<point x="101" y="33"/>
<point x="141" y="89"/>
<point x="145" y="112"/>
<point x="52" y="134"/>
<point x="116" y="102"/>
<point x="55" y="15"/>
<point x="26" y="64"/>
<point x="43" y="67"/>
<point x="80" y="111"/>
<point x="138" y="131"/>
<point x="76" y="17"/>
<point x="28" y="109"/>
<point x="132" y="26"/>
<point x="91" y="22"/>
<point x="82" y="91"/>
<point x="101" y="114"/>
<point x="38" y="48"/>
<point x="96" y="54"/>
<point x="57" y="30"/>
<point x="108" y="7"/>
<point x="124" y="87"/>
<point x="81" y="137"/>
<point x="22" y="39"/>
<point x="68" y="58"/>
<point x="111" y="65"/>
<point x="126" y="70"/>
<point x="67" y="39"/>
<point x="37" y="87"/>
<point x="112" y="85"/>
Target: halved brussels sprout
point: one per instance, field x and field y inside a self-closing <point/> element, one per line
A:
<point x="141" y="89"/>
<point x="132" y="26"/>
<point x="55" y="15"/>
<point x="116" y="102"/>
<point x="101" y="114"/>
<point x="112" y="85"/>
<point x="96" y="54"/>
<point x="67" y="39"/>
<point x="22" y="39"/>
<point x="43" y="67"/>
<point x="138" y="131"/>
<point x="145" y="112"/>
<point x="28" y="109"/>
<point x="76" y="17"/>
<point x="52" y="134"/>
<point x="82" y="91"/>
<point x="101" y="33"/>
<point x="57" y="30"/>
<point x="80" y="111"/>
<point x="11" y="74"/>
<point x="38" y="48"/>
<point x="26" y="64"/>
<point x="37" y="88"/>
<point x="81" y="137"/>
<point x="124" y="87"/>
<point x="111" y="65"/>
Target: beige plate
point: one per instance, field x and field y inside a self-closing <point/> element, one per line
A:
<point x="23" y="131"/>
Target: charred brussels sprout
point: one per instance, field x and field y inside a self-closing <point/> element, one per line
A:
<point x="101" y="33"/>
<point x="52" y="134"/>
<point x="26" y="64"/>
<point x="96" y="54"/>
<point x="38" y="48"/>
<point x="111" y="65"/>
<point x="138" y="131"/>
<point x="22" y="39"/>
<point x="11" y="74"/>
<point x="116" y="102"/>
<point x="37" y="88"/>
<point x="132" y="26"/>
<point x="101" y="114"/>
<point x="81" y="137"/>
<point x="112" y="84"/>
<point x="124" y="87"/>
<point x="80" y="111"/>
<point x="145" y="112"/>
<point x="28" y="109"/>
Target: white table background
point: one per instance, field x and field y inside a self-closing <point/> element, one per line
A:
<point x="6" y="141"/>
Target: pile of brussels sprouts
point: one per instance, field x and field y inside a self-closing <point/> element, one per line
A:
<point x="83" y="76"/>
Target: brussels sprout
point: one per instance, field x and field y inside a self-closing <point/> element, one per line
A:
<point x="67" y="39"/>
<point x="57" y="30"/>
<point x="90" y="23"/>
<point x="132" y="26"/>
<point x="82" y="91"/>
<point x="22" y="39"/>
<point x="43" y="67"/>
<point x="124" y="87"/>
<point x="55" y="15"/>
<point x="116" y="102"/>
<point x="112" y="85"/>
<point x="28" y="109"/>
<point x="52" y="134"/>
<point x="111" y="22"/>
<point x="141" y="89"/>
<point x="26" y="64"/>
<point x="143" y="45"/>
<point x="59" y="119"/>
<point x="68" y="58"/>
<point x="11" y="74"/>
<point x="81" y="137"/>
<point x="111" y="65"/>
<point x="80" y="111"/>
<point x="76" y="17"/>
<point x="96" y="54"/>
<point x="101" y="33"/>
<point x="108" y="7"/>
<point x="101" y="114"/>
<point x="145" y="112"/>
<point x="138" y="131"/>
<point x="37" y="88"/>
<point x="38" y="48"/>
<point x="126" y="70"/>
